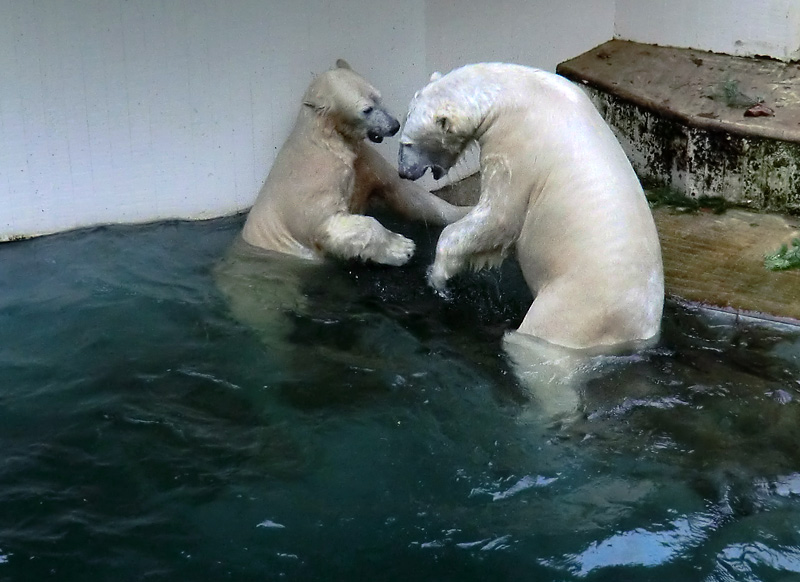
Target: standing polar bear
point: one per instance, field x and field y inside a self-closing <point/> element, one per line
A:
<point x="556" y="187"/>
<point x="325" y="175"/>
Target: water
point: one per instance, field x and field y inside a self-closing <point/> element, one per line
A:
<point x="378" y="434"/>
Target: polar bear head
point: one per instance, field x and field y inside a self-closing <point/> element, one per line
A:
<point x="442" y="120"/>
<point x="348" y="102"/>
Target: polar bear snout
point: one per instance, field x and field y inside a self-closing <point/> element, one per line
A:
<point x="380" y="124"/>
<point x="411" y="165"/>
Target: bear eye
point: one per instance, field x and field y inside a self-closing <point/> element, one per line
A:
<point x="442" y="122"/>
<point x="367" y="110"/>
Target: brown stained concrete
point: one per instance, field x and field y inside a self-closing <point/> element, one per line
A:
<point x="718" y="260"/>
<point x="680" y="117"/>
<point x="686" y="85"/>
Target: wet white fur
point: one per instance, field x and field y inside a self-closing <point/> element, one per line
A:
<point x="323" y="177"/>
<point x="557" y="188"/>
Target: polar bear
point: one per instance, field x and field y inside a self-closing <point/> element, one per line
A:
<point x="556" y="188"/>
<point x="325" y="176"/>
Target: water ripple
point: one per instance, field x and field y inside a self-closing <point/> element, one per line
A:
<point x="525" y="483"/>
<point x="640" y="547"/>
<point x="746" y="558"/>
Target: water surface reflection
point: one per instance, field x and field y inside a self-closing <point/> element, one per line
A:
<point x="148" y="432"/>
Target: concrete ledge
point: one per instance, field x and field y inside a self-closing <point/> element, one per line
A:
<point x="718" y="260"/>
<point x="679" y="114"/>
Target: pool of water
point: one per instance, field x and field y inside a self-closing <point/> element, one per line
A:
<point x="149" y="431"/>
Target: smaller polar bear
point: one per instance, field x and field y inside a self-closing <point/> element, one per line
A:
<point x="325" y="175"/>
<point x="557" y="188"/>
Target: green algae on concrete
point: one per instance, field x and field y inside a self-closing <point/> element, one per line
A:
<point x="676" y="121"/>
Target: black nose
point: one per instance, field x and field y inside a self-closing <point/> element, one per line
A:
<point x="408" y="173"/>
<point x="408" y="164"/>
<point x="394" y="127"/>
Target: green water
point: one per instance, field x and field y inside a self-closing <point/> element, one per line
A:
<point x="148" y="434"/>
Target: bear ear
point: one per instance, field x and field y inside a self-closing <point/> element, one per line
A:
<point x="343" y="64"/>
<point x="435" y="76"/>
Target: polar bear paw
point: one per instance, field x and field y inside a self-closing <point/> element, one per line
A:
<point x="437" y="278"/>
<point x="397" y="250"/>
<point x="354" y="235"/>
<point x="444" y="267"/>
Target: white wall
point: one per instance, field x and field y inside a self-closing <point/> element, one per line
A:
<point x="736" y="27"/>
<point x="538" y="33"/>
<point x="123" y="111"/>
<point x="129" y="111"/>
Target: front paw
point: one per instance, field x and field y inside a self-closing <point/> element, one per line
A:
<point x="438" y="276"/>
<point x="398" y="251"/>
<point x="444" y="267"/>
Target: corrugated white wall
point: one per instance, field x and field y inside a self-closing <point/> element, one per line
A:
<point x="123" y="111"/>
<point x="756" y="27"/>
<point x="538" y="33"/>
<point x="130" y="111"/>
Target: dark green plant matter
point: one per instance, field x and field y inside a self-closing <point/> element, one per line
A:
<point x="784" y="258"/>
<point x="673" y="198"/>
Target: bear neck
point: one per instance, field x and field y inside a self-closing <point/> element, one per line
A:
<point x="323" y="130"/>
<point x="483" y="109"/>
<point x="484" y="92"/>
